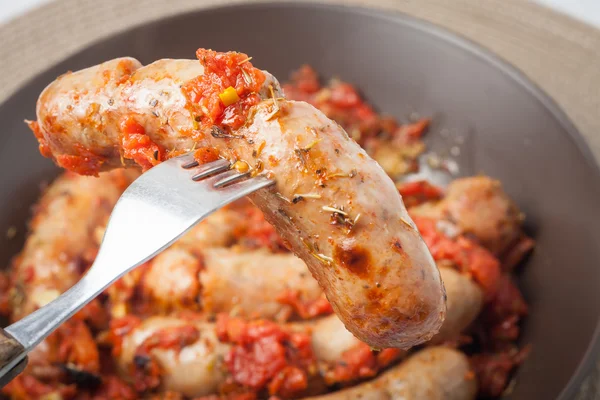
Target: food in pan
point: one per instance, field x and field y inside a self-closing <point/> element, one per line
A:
<point x="228" y="312"/>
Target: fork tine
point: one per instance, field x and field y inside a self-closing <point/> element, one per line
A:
<point x="185" y="159"/>
<point x="211" y="169"/>
<point x="248" y="186"/>
<point x="231" y="179"/>
<point x="190" y="164"/>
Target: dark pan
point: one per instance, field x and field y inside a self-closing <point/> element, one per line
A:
<point x="513" y="132"/>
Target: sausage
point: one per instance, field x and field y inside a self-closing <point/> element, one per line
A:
<point x="435" y="373"/>
<point x="194" y="370"/>
<point x="171" y="281"/>
<point x="478" y="206"/>
<point x="248" y="284"/>
<point x="61" y="232"/>
<point x="331" y="203"/>
<point x="330" y="340"/>
<point x="217" y="230"/>
<point x="252" y="283"/>
<point x="464" y="302"/>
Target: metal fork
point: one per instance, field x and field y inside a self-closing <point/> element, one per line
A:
<point x="156" y="209"/>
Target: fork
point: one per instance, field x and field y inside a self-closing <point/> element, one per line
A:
<point x="155" y="210"/>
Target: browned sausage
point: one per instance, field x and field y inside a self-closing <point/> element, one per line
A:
<point x="435" y="373"/>
<point x="248" y="284"/>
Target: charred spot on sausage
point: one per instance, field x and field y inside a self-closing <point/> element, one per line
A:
<point x="355" y="259"/>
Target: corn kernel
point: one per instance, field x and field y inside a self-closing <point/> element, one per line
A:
<point x="229" y="96"/>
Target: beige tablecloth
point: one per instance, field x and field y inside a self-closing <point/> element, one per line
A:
<point x="558" y="53"/>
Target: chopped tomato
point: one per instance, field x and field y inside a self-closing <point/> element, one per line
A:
<point x="138" y="146"/>
<point x="344" y="95"/>
<point x="205" y="155"/>
<point x="85" y="162"/>
<point x="468" y="255"/>
<point x="305" y="309"/>
<point x="419" y="192"/>
<point x="259" y="233"/>
<point x="415" y="130"/>
<point x="288" y="382"/>
<point x="264" y="356"/>
<point x="222" y="71"/>
<point x="361" y="362"/>
<point x="341" y="102"/>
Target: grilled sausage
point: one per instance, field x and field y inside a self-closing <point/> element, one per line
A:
<point x="435" y="373"/>
<point x="252" y="283"/>
<point x="333" y="205"/>
<point x="465" y="301"/>
<point x="217" y="230"/>
<point x="248" y="284"/>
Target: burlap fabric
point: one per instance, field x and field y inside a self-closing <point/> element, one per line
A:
<point x="558" y="53"/>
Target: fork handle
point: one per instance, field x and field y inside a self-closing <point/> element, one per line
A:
<point x="13" y="357"/>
